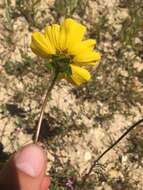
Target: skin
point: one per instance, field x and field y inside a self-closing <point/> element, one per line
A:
<point x="13" y="177"/>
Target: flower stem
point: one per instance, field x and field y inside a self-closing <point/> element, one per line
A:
<point x="84" y="178"/>
<point x="44" y="105"/>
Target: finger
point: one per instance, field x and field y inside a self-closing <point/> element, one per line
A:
<point x="25" y="170"/>
<point x="45" y="183"/>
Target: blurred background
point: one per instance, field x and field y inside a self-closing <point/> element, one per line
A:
<point x="80" y="122"/>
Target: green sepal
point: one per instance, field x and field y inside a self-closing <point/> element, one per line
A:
<point x="61" y="64"/>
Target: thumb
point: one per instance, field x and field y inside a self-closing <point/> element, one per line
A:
<point x="25" y="170"/>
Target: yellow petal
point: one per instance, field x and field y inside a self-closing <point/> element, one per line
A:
<point x="91" y="56"/>
<point x="41" y="45"/>
<point x="82" y="64"/>
<point x="62" y="38"/>
<point x="83" y="46"/>
<point x="93" y="63"/>
<point x="71" y="33"/>
<point x="52" y="33"/>
<point x="79" y="75"/>
<point x="38" y="52"/>
<point x="89" y="43"/>
<point x="56" y="33"/>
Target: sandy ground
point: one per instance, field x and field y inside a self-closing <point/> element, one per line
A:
<point x="79" y="149"/>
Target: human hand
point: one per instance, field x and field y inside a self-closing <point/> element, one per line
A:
<point x="25" y="170"/>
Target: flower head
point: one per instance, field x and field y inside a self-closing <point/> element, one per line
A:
<point x="68" y="51"/>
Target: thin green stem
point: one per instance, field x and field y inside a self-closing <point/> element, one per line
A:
<point x="108" y="149"/>
<point x="44" y="105"/>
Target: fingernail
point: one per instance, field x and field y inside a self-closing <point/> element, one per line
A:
<point x="30" y="160"/>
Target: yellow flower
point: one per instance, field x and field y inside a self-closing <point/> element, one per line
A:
<point x="64" y="44"/>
